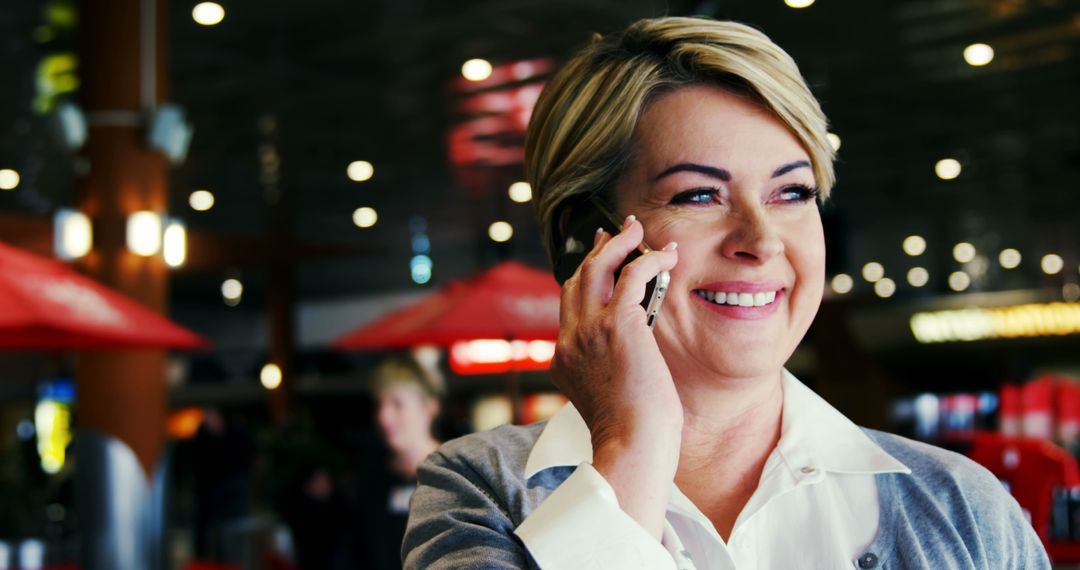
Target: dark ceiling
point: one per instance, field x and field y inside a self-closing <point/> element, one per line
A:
<point x="342" y="81"/>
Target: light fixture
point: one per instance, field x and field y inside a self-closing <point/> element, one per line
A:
<point x="1052" y="264"/>
<point x="884" y="287"/>
<point x="842" y="283"/>
<point x="963" y="252"/>
<point x="1009" y="258"/>
<point x="918" y="276"/>
<point x="873" y="271"/>
<point x="914" y="245"/>
<point x="201" y="200"/>
<point x="500" y="231"/>
<point x="365" y="217"/>
<point x="360" y="170"/>
<point x="947" y="168"/>
<point x="270" y="376"/>
<point x="208" y="13"/>
<point x="144" y="233"/>
<point x="798" y="3"/>
<point x="9" y="179"/>
<point x="476" y="69"/>
<point x="959" y="281"/>
<point x="420" y="269"/>
<point x="834" y="141"/>
<point x="978" y="55"/>
<point x="175" y="243"/>
<point x="520" y="192"/>
<point x="232" y="290"/>
<point x="73" y="234"/>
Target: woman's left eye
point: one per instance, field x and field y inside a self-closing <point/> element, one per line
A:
<point x="798" y="194"/>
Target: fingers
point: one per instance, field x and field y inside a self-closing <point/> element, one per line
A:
<point x="631" y="287"/>
<point x="596" y="276"/>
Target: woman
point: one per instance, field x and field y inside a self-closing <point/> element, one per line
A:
<point x="408" y="404"/>
<point x="690" y="446"/>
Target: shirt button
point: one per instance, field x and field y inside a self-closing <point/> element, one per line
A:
<point x="808" y="470"/>
<point x="868" y="561"/>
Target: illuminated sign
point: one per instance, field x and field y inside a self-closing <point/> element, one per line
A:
<point x="1029" y="320"/>
<point x="492" y="356"/>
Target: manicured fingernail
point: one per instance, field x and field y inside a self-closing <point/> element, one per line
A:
<point x="596" y="237"/>
<point x="629" y="220"/>
<point x="671" y="246"/>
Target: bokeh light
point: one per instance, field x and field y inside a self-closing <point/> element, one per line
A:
<point x="1009" y="258"/>
<point x="360" y="170"/>
<point x="959" y="281"/>
<point x="914" y="245"/>
<point x="365" y="217"/>
<point x="977" y="55"/>
<point x="963" y="252"/>
<point x="9" y="179"/>
<point x="885" y="287"/>
<point x="1052" y="264"/>
<point x="208" y="13"/>
<point x="918" y="276"/>
<point x="947" y="168"/>
<point x="270" y="376"/>
<point x="842" y="283"/>
<point x="500" y="231"/>
<point x="520" y="192"/>
<point x="201" y="200"/>
<point x="476" y="69"/>
<point x="873" y="271"/>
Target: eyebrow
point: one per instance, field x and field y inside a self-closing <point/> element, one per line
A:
<point x="722" y="174"/>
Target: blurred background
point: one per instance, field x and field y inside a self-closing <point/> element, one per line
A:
<point x="257" y="259"/>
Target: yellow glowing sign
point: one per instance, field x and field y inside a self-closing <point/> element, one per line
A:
<point x="52" y="420"/>
<point x="1030" y="320"/>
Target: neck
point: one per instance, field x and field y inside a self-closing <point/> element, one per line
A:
<point x="729" y="422"/>
<point x="408" y="459"/>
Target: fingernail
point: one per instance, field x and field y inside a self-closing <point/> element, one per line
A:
<point x="629" y="220"/>
<point x="671" y="246"/>
<point x="596" y="237"/>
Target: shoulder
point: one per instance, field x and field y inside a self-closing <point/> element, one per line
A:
<point x="939" y="471"/>
<point x="505" y="448"/>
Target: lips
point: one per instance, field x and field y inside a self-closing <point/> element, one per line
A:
<point x="742" y="299"/>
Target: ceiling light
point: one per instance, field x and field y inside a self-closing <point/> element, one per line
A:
<point x="958" y="281"/>
<point x="9" y="179"/>
<point x="1009" y="258"/>
<point x="963" y="252"/>
<point x="873" y="271"/>
<point x="500" y="231"/>
<point x="947" y="168"/>
<point x="144" y="233"/>
<point x="476" y="69"/>
<point x="1052" y="264"/>
<point x="360" y="170"/>
<point x="232" y="290"/>
<point x="365" y="217"/>
<point x="885" y="287"/>
<point x="834" y="141"/>
<point x="842" y="283"/>
<point x="798" y="3"/>
<point x="175" y="244"/>
<point x="208" y="13"/>
<point x="201" y="200"/>
<point x="977" y="55"/>
<point x="73" y="234"/>
<point x="270" y="376"/>
<point x="918" y="276"/>
<point x="520" y="192"/>
<point x="914" y="245"/>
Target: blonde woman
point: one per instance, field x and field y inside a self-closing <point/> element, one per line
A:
<point x="690" y="445"/>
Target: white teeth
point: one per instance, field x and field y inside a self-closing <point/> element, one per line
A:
<point x="759" y="299"/>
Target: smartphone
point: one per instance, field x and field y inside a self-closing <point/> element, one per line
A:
<point x="576" y="239"/>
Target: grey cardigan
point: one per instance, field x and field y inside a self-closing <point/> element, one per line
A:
<point x="948" y="513"/>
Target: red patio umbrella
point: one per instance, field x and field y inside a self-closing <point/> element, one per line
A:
<point x="508" y="301"/>
<point x="44" y="304"/>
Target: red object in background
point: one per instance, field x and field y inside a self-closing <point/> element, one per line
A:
<point x="1032" y="467"/>
<point x="495" y="356"/>
<point x="1067" y="413"/>
<point x="508" y="301"/>
<point x="1010" y="410"/>
<point x="1037" y="410"/>
<point x="45" y="304"/>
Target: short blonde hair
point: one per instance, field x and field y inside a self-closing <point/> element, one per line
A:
<point x="580" y="133"/>
<point x="404" y="371"/>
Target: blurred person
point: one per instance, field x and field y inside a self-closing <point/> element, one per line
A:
<point x="691" y="446"/>
<point x="407" y="398"/>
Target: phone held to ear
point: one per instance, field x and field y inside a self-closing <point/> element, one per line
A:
<point x="575" y="230"/>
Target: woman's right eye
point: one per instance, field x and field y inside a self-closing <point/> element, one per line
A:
<point x="697" y="196"/>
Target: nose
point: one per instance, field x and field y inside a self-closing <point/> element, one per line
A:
<point x="751" y="238"/>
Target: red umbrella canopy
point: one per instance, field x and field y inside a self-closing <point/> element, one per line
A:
<point x="508" y="301"/>
<point x="44" y="304"/>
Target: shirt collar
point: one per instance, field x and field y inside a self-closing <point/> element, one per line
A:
<point x="813" y="433"/>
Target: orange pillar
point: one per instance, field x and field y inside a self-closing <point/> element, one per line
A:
<point x="122" y="68"/>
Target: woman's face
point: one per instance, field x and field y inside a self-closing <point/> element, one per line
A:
<point x="733" y="186"/>
<point x="405" y="415"/>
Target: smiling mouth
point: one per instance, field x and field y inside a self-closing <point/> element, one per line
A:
<point x="737" y="299"/>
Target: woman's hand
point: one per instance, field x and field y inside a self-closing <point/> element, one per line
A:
<point x="608" y="364"/>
